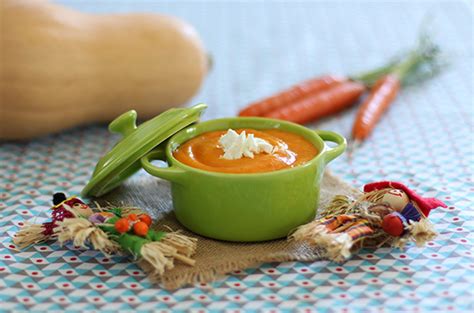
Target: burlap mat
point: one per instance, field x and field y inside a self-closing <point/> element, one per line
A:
<point x="215" y="258"/>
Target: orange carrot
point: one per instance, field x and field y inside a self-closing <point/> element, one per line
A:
<point x="291" y="95"/>
<point x="381" y="96"/>
<point x="323" y="103"/>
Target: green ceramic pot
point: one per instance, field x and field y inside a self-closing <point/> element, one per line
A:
<point x="244" y="207"/>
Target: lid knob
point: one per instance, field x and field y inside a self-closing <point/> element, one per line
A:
<point x="125" y="124"/>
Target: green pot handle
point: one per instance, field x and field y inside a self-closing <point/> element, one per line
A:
<point x="171" y="173"/>
<point x="332" y="153"/>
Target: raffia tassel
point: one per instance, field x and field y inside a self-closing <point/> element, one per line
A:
<point x="183" y="244"/>
<point x="338" y="246"/>
<point x="80" y="231"/>
<point x="158" y="256"/>
<point x="340" y="204"/>
<point x="421" y="232"/>
<point x="30" y="234"/>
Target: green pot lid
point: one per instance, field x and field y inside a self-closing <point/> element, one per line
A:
<point x="124" y="158"/>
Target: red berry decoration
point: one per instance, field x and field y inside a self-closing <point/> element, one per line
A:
<point x="392" y="224"/>
<point x="132" y="217"/>
<point x="122" y="225"/>
<point x="140" y="229"/>
<point x="145" y="218"/>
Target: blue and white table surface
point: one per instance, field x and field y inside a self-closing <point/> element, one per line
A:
<point x="425" y="141"/>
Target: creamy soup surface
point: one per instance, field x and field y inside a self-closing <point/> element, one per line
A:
<point x="204" y="152"/>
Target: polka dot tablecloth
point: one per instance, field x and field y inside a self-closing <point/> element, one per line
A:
<point x="425" y="141"/>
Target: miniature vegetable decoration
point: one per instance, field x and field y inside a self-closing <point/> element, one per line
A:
<point x="386" y="213"/>
<point x="110" y="231"/>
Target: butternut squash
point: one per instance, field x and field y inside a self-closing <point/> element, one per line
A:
<point x="60" y="68"/>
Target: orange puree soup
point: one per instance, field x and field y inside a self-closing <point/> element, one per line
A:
<point x="203" y="152"/>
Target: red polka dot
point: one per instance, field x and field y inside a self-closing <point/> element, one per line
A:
<point x="99" y="286"/>
<point x="409" y="281"/>
<point x="12" y="246"/>
<point x="343" y="296"/>
<point x="340" y="283"/>
<point x="271" y="284"/>
<point x="7" y="257"/>
<point x="430" y="243"/>
<point x="2" y="269"/>
<point x="105" y="260"/>
<point x="338" y="269"/>
<point x="102" y="273"/>
<point x="305" y="283"/>
<point x="434" y="255"/>
<point x="237" y="298"/>
<point x="451" y="208"/>
<point x="372" y="268"/>
<point x="39" y="261"/>
<point x="69" y="272"/>
<point x="402" y="256"/>
<point x="65" y="285"/>
<point x="43" y="248"/>
<point x="136" y="273"/>
<point x="237" y="272"/>
<point x="271" y="271"/>
<point x="438" y="267"/>
<point x="166" y="298"/>
<point x="374" y="280"/>
<point x="202" y="297"/>
<point x="304" y="269"/>
<point x="73" y="259"/>
<point x="62" y="299"/>
<point x="24" y="212"/>
<point x="29" y="286"/>
<point x="131" y="299"/>
<point x="459" y="229"/>
<point x="203" y="285"/>
<point x="26" y="299"/>
<point x="271" y="297"/>
<point x="405" y="268"/>
<point x="455" y="219"/>
<point x="463" y="240"/>
<point x="369" y="256"/>
<point x="377" y="293"/>
<point x="306" y="296"/>
<point x="133" y="286"/>
<point x="96" y="299"/>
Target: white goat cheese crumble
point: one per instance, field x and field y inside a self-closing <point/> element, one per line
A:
<point x="236" y="146"/>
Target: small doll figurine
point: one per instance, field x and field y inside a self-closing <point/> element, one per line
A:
<point x="386" y="213"/>
<point x="110" y="231"/>
<point x="62" y="208"/>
